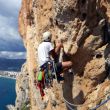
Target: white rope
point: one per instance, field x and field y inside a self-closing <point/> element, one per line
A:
<point x="68" y="102"/>
<point x="69" y="106"/>
<point x="74" y="105"/>
<point x="102" y="103"/>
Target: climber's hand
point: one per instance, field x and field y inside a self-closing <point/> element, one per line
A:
<point x="59" y="44"/>
<point x="34" y="70"/>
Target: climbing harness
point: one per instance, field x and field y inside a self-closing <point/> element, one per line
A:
<point x="68" y="104"/>
<point x="46" y="75"/>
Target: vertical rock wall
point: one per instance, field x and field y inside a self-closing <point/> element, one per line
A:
<point x="84" y="27"/>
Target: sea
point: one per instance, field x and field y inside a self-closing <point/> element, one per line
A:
<point x="7" y="85"/>
<point x="7" y="92"/>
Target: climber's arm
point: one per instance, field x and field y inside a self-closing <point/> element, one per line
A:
<point x="55" y="52"/>
<point x="52" y="53"/>
<point x="59" y="45"/>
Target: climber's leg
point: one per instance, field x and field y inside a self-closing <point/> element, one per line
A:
<point x="59" y="71"/>
<point x="63" y="66"/>
<point x="67" y="64"/>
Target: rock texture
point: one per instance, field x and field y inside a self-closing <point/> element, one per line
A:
<point x="22" y="89"/>
<point x="84" y="27"/>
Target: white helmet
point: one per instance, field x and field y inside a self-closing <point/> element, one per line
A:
<point x="47" y="36"/>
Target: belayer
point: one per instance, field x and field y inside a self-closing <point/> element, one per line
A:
<point x="47" y="55"/>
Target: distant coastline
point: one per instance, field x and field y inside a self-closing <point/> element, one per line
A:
<point x="9" y="74"/>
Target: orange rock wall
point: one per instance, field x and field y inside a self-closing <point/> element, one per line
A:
<point x="77" y="22"/>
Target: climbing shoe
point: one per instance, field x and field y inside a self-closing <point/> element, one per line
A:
<point x="71" y="71"/>
<point x="60" y="78"/>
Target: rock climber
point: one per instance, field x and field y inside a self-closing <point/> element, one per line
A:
<point x="46" y="50"/>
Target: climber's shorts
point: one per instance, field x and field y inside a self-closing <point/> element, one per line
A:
<point x="59" y="68"/>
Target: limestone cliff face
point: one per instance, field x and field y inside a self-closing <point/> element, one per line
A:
<point x="84" y="26"/>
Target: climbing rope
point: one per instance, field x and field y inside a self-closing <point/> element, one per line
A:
<point x="97" y="106"/>
<point x="69" y="106"/>
<point x="102" y="103"/>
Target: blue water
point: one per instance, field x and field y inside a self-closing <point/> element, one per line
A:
<point x="7" y="92"/>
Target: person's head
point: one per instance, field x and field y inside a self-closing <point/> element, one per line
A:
<point x="47" y="36"/>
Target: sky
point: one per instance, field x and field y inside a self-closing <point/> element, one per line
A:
<point x="10" y="40"/>
<point x="9" y="10"/>
<point x="12" y="55"/>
